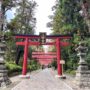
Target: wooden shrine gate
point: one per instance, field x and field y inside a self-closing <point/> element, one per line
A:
<point x="44" y="58"/>
<point x="29" y="40"/>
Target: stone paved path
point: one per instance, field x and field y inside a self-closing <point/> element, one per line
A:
<point x="44" y="80"/>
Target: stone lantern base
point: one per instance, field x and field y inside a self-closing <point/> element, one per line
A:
<point x="4" y="80"/>
<point x="83" y="79"/>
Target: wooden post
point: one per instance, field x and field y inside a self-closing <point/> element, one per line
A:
<point x="59" y="66"/>
<point x="24" y="70"/>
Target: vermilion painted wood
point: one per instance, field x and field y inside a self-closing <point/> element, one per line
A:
<point x="47" y="36"/>
<point x="37" y="43"/>
<point x="48" y="53"/>
<point x="58" y="46"/>
<point x="44" y="57"/>
<point x="20" y="43"/>
<point x="40" y="52"/>
<point x="64" y="44"/>
<point x="24" y="70"/>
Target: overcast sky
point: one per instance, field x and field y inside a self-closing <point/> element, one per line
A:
<point x="42" y="12"/>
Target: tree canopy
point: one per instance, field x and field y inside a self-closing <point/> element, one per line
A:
<point x="24" y="21"/>
<point x="67" y="18"/>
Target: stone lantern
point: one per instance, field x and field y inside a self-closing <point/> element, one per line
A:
<point x="82" y="50"/>
<point x="82" y="73"/>
<point x="4" y="80"/>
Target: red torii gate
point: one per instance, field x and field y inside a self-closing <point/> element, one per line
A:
<point x="28" y="40"/>
<point x="44" y="58"/>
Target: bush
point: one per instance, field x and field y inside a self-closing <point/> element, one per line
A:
<point x="71" y="72"/>
<point x="54" y="64"/>
<point x="33" y="65"/>
<point x="13" y="68"/>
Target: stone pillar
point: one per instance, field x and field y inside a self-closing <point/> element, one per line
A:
<point x="82" y="73"/>
<point x="4" y="80"/>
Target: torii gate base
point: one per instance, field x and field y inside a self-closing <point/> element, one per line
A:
<point x="25" y="76"/>
<point x="27" y="42"/>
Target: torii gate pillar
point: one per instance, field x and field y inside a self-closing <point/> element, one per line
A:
<point x="58" y="46"/>
<point x="24" y="71"/>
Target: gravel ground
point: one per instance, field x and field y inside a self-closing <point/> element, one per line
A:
<point x="16" y="80"/>
<point x="72" y="83"/>
<point x="70" y="80"/>
<point x="42" y="80"/>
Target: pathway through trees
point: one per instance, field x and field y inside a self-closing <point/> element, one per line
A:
<point x="44" y="80"/>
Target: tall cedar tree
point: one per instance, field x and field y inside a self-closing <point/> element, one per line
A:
<point x="24" y="21"/>
<point x="67" y="18"/>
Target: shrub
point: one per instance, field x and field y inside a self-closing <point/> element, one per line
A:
<point x="13" y="68"/>
<point x="33" y="65"/>
<point x="54" y="64"/>
<point x="71" y="72"/>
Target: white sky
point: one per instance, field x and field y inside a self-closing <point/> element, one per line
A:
<point x="42" y="12"/>
<point x="44" y="9"/>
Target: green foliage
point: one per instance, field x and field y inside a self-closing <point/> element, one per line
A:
<point x="88" y="53"/>
<point x="24" y="21"/>
<point x="54" y="64"/>
<point x="7" y="5"/>
<point x="11" y="47"/>
<point x="71" y="72"/>
<point x="13" y="68"/>
<point x="67" y="18"/>
<point x="33" y="65"/>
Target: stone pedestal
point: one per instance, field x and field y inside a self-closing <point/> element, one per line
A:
<point x="83" y="79"/>
<point x="4" y="80"/>
<point x="82" y="73"/>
